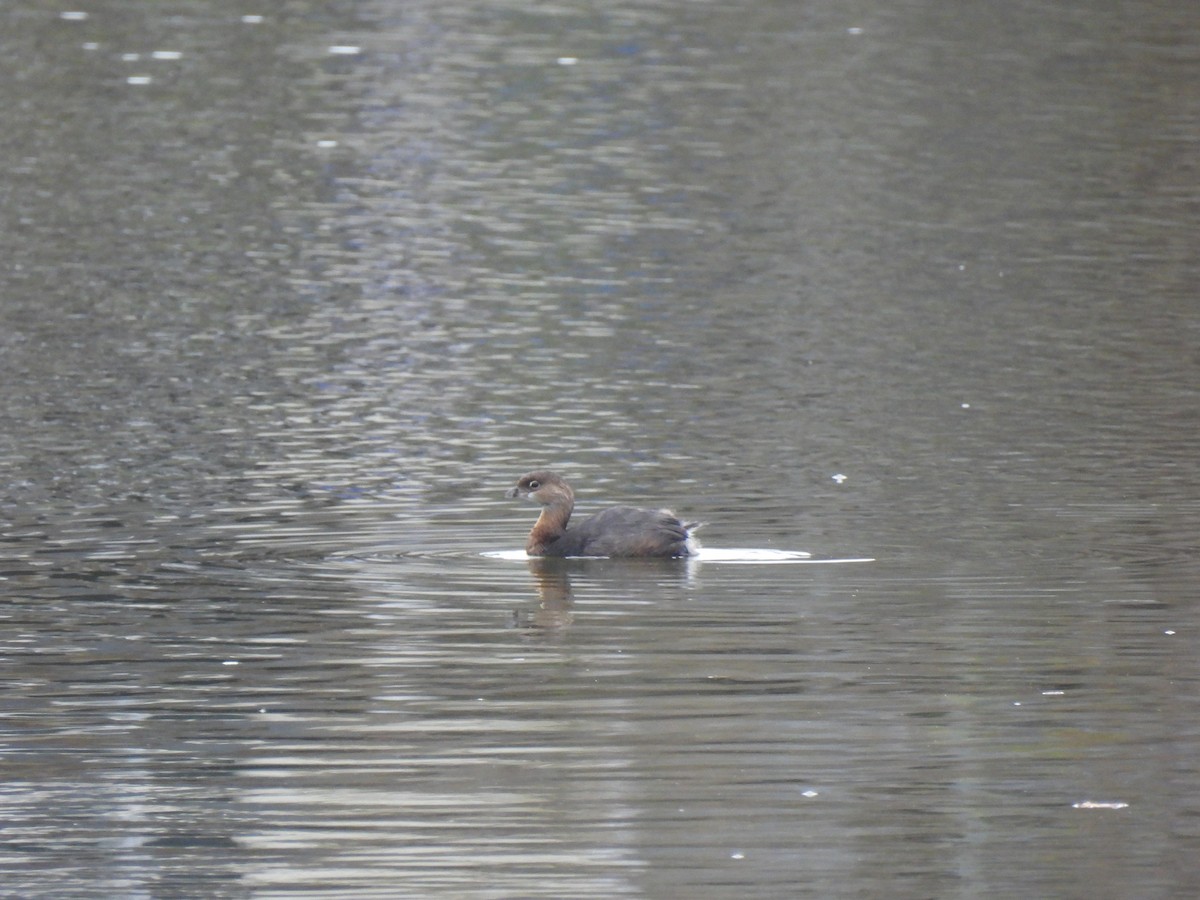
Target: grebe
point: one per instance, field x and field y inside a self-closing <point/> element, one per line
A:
<point x="624" y="531"/>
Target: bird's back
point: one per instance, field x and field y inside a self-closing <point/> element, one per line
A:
<point x="625" y="531"/>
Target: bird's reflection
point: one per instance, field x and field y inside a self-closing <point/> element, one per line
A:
<point x="623" y="578"/>
<point x="553" y="583"/>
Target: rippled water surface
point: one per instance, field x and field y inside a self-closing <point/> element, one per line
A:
<point x="292" y="294"/>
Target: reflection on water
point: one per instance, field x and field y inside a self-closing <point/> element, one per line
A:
<point x="280" y="320"/>
<point x="553" y="577"/>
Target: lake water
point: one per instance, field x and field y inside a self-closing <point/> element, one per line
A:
<point x="293" y="294"/>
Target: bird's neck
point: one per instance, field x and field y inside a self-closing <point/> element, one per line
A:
<point x="549" y="527"/>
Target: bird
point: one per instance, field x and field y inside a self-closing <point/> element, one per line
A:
<point x="618" y="531"/>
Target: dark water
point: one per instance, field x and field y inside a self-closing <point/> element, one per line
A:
<point x="287" y="304"/>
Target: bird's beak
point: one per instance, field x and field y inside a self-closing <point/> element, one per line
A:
<point x="512" y="493"/>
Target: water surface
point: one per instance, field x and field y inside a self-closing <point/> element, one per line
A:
<point x="288" y="303"/>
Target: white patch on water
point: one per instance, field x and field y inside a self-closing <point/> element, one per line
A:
<point x="745" y="555"/>
<point x="750" y="555"/>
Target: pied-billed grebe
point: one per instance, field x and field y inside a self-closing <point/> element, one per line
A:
<point x="616" y="531"/>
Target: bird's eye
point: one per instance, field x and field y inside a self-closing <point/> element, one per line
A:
<point x="534" y="485"/>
